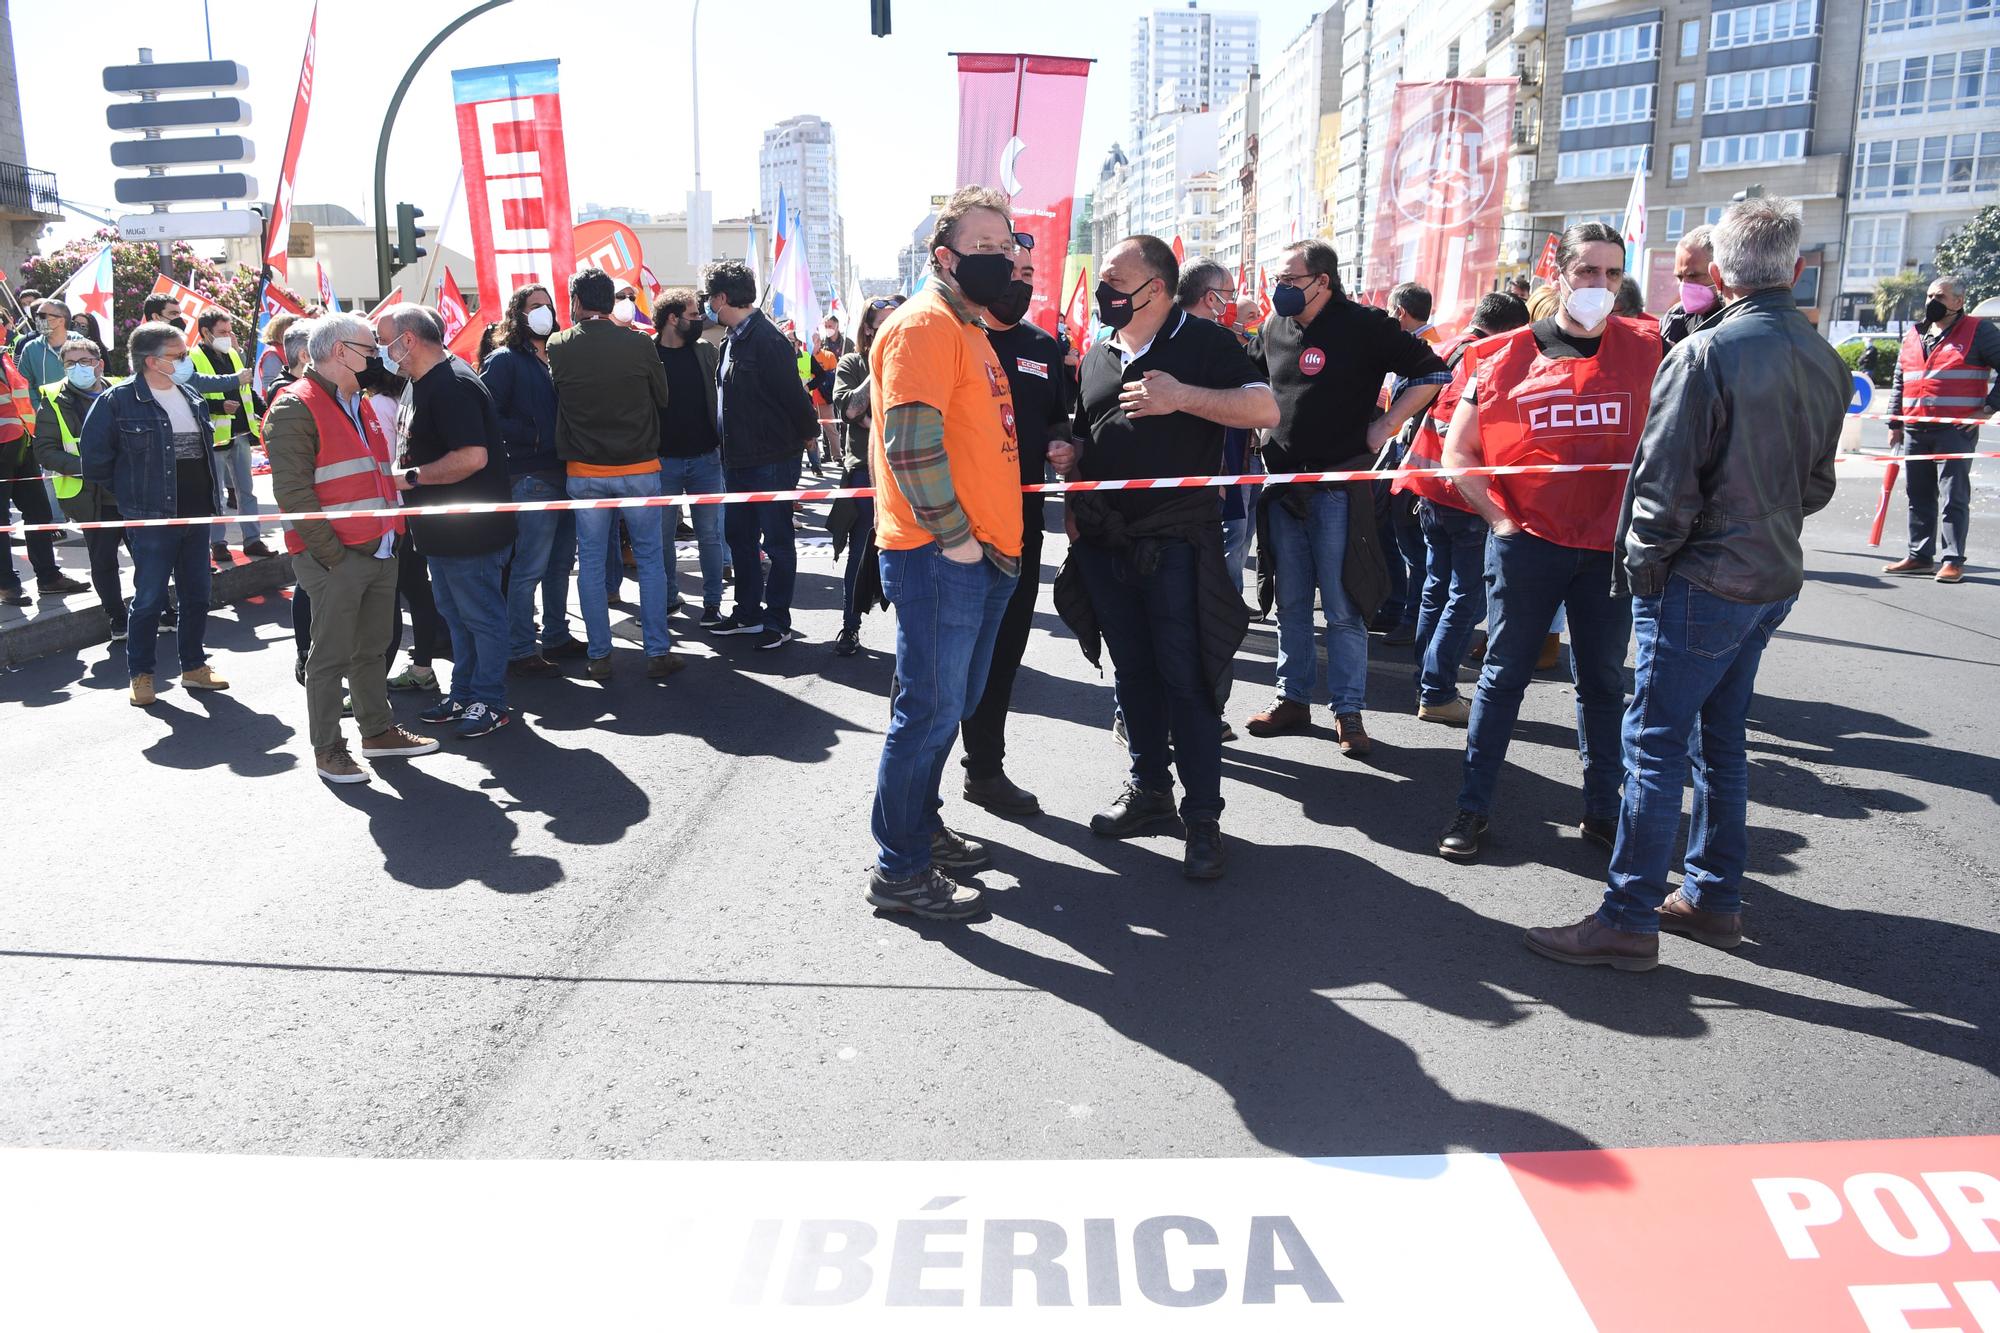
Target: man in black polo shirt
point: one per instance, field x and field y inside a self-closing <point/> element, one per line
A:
<point x="1327" y="357"/>
<point x="1042" y="405"/>
<point x="1146" y="570"/>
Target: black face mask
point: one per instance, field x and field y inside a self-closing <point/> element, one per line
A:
<point x="1115" y="308"/>
<point x="695" y="324"/>
<point x="983" y="277"/>
<point x="1935" y="312"/>
<point x="1012" y="304"/>
<point x="375" y="379"/>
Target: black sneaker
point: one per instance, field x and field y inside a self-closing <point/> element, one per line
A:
<point x="1461" y="841"/>
<point x="15" y="595"/>
<point x="711" y="616"/>
<point x="1204" y="857"/>
<point x="170" y="617"/>
<point x="1603" y="832"/>
<point x="846" y="643"/>
<point x="955" y="851"/>
<point x="933" y="895"/>
<point x="60" y="585"/>
<point x="118" y="632"/>
<point x="733" y="624"/>
<point x="678" y="605"/>
<point x="1132" y="811"/>
<point x="479" y="720"/>
<point x="1404" y="633"/>
<point x="774" y="638"/>
<point x="565" y="648"/>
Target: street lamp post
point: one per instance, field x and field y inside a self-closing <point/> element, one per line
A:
<point x="382" y="272"/>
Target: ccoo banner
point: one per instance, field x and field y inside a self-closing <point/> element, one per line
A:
<point x="1443" y="196"/>
<point x="510" y="132"/>
<point x="1019" y="120"/>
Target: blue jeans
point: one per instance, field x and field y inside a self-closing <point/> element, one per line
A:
<point x="1150" y="623"/>
<point x="700" y="475"/>
<point x="232" y="469"/>
<point x="769" y="524"/>
<point x="1311" y="555"/>
<point x="467" y="591"/>
<point x="1454" y="596"/>
<point x="1698" y="657"/>
<point x="1527" y="581"/>
<point x="1236" y="534"/>
<point x="157" y="554"/>
<point x="596" y="547"/>
<point x="1403" y="551"/>
<point x="534" y="545"/>
<point x="947" y="616"/>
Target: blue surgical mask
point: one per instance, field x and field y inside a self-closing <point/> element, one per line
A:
<point x="184" y="370"/>
<point x="1287" y="301"/>
<point x="389" y="363"/>
<point x="83" y="377"/>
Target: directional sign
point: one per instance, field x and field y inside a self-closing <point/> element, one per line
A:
<point x="185" y="189"/>
<point x="208" y="224"/>
<point x="187" y="76"/>
<point x="200" y="150"/>
<point x="184" y="114"/>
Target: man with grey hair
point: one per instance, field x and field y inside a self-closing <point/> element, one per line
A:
<point x="1699" y="305"/>
<point x="1738" y="448"/>
<point x="1945" y="383"/>
<point x="329" y="452"/>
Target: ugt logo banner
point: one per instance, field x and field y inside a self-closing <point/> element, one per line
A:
<point x="510" y="133"/>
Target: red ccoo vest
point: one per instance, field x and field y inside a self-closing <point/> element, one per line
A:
<point x="1426" y="451"/>
<point x="1533" y="409"/>
<point x="1942" y="384"/>
<point x="351" y="471"/>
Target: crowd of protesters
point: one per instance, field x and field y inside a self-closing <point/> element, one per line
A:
<point x="1727" y="412"/>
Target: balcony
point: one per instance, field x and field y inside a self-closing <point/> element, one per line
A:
<point x="28" y="195"/>
<point x="1526" y="138"/>
<point x="1529" y="16"/>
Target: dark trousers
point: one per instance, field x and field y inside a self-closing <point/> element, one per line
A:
<point x="1403" y="549"/>
<point x="769" y="525"/>
<point x="413" y="589"/>
<point x="29" y="493"/>
<point x="857" y="553"/>
<point x="1454" y="597"/>
<point x="1149" y="623"/>
<point x="104" y="544"/>
<point x="985" y="732"/>
<point x="1926" y="480"/>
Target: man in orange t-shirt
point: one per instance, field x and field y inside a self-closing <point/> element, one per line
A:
<point x="948" y="522"/>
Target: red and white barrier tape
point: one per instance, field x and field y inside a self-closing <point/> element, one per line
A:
<point x="868" y="492"/>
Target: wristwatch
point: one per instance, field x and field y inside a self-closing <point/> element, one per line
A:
<point x="410" y="477"/>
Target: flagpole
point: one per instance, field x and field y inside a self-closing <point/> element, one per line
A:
<point x="437" y="251"/>
<point x="264" y="231"/>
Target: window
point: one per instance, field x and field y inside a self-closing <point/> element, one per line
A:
<point x="1874" y="247"/>
<point x="1578" y="219"/>
<point x="1608" y="106"/>
<point x="1951" y="81"/>
<point x="1713" y="215"/>
<point x="1677" y="221"/>
<point x="1614" y="46"/>
<point x="1690" y="39"/>
<point x="1596" y="163"/>
<point x="1755" y="24"/>
<point x="1681" y="154"/>
<point x="1750" y="150"/>
<point x="1937" y="164"/>
<point x="1684" y="102"/>
<point x="1747" y="90"/>
<point x="1897" y="15"/>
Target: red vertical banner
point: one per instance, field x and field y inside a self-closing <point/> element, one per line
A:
<point x="1545" y="267"/>
<point x="277" y="232"/>
<point x="1020" y="119"/>
<point x="510" y="133"/>
<point x="1443" y="193"/>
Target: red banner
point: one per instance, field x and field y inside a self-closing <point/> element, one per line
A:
<point x="510" y="133"/>
<point x="1019" y="120"/>
<point x="451" y="305"/>
<point x="191" y="303"/>
<point x="277" y="232"/>
<point x="1443" y="193"/>
<point x="614" y="247"/>
<point x="1545" y="267"/>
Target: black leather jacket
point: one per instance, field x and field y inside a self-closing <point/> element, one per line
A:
<point x="1738" y="449"/>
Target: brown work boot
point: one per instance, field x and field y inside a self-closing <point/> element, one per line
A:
<point x="1718" y="930"/>
<point x="203" y="677"/>
<point x="397" y="743"/>
<point x="1353" y="737"/>
<point x="142" y="691"/>
<point x="662" y="665"/>
<point x="1283" y="715"/>
<point x="1591" y="941"/>
<point x="1909" y="564"/>
<point x="1951" y="572"/>
<point x="1453" y="712"/>
<point x="1552" y="653"/>
<point x="335" y="764"/>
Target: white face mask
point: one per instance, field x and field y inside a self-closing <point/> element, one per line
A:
<point x="624" y="312"/>
<point x="541" y="321"/>
<point x="225" y="343"/>
<point x="1590" y="306"/>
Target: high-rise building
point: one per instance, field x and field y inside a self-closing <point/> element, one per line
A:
<point x="1927" y="142"/>
<point x="1179" y="147"/>
<point x="1237" y="158"/>
<point x="1113" y="204"/>
<point x="1184" y="60"/>
<point x="798" y="155"/>
<point x="1298" y="108"/>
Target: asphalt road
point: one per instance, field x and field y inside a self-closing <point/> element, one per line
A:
<point x="633" y="926"/>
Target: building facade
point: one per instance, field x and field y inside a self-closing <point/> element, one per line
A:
<point x="798" y="155"/>
<point x="1298" y="112"/>
<point x="1179" y="147"/>
<point x="1237" y="158"/>
<point x="1183" y="60"/>
<point x="28" y="198"/>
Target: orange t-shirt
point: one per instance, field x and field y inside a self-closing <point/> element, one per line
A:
<point x="925" y="353"/>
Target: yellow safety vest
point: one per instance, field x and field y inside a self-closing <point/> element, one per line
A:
<point x="67" y="488"/>
<point x="222" y="424"/>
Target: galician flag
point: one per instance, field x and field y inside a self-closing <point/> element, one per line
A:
<point x="792" y="291"/>
<point x="326" y="296"/>
<point x="89" y="290"/>
<point x="1635" y="227"/>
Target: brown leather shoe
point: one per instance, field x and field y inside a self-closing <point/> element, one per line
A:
<point x="1591" y="941"/>
<point x="397" y="743"/>
<point x="664" y="665"/>
<point x="142" y="691"/>
<point x="1353" y="737"/>
<point x="1552" y="653"/>
<point x="1909" y="564"/>
<point x="1283" y="715"/>
<point x="203" y="677"/>
<point x="1951" y="572"/>
<point x="1718" y="930"/>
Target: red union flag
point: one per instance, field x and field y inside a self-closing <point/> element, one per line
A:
<point x="1545" y="267"/>
<point x="1019" y="119"/>
<point x="510" y="134"/>
<point x="451" y="305"/>
<point x="188" y="301"/>
<point x="1443" y="191"/>
<point x="277" y="231"/>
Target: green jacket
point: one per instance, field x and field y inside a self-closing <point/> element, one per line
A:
<point x="610" y="391"/>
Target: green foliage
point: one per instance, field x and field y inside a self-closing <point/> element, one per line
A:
<point x="134" y="267"/>
<point x="1885" y="360"/>
<point x="1900" y="296"/>
<point x="1972" y="255"/>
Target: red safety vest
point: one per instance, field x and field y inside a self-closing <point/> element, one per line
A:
<point x="1426" y="451"/>
<point x="351" y="471"/>
<point x="1942" y="384"/>
<point x="17" y="413"/>
<point x="1533" y="409"/>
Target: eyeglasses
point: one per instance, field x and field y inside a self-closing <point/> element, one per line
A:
<point x="366" y="349"/>
<point x="1294" y="279"/>
<point x="1024" y="240"/>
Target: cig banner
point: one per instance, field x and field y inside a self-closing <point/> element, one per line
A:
<point x="1019" y="120"/>
<point x="510" y="132"/>
<point x="1443" y="192"/>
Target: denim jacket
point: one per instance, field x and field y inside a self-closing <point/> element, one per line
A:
<point x="128" y="445"/>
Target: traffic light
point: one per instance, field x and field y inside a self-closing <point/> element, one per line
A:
<point x="406" y="251"/>
<point x="878" y="18"/>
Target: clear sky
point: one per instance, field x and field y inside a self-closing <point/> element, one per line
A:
<point x="625" y="78"/>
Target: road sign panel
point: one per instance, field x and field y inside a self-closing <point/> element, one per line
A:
<point x="181" y="114"/>
<point x="185" y="189"/>
<point x="184" y="151"/>
<point x="186" y="76"/>
<point x="205" y="224"/>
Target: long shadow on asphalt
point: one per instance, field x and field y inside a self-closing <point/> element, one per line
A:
<point x="1860" y="741"/>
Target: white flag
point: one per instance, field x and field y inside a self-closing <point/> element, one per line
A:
<point x="792" y="280"/>
<point x="1635" y="227"/>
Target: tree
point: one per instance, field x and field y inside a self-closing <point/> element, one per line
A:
<point x="1898" y="296"/>
<point x="134" y="267"/>
<point x="1972" y="255"/>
